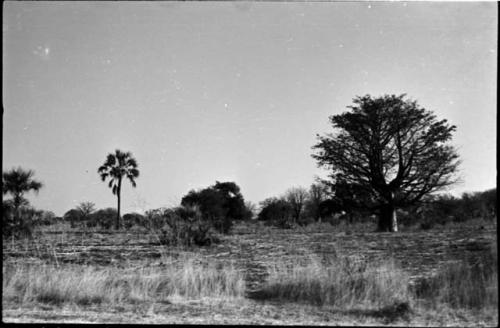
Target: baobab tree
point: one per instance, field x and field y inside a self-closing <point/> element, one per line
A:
<point x="116" y="167"/>
<point x="392" y="149"/>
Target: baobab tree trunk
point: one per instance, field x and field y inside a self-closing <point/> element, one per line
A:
<point x="388" y="220"/>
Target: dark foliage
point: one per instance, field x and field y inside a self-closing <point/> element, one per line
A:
<point x="104" y="218"/>
<point x="74" y="217"/>
<point x="18" y="222"/>
<point x="297" y="198"/>
<point x="133" y="219"/>
<point x="445" y="208"/>
<point x="219" y="204"/>
<point x="277" y="212"/>
<point x="18" y="217"/>
<point x="318" y="193"/>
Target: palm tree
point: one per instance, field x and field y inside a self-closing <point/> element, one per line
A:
<point x="17" y="182"/>
<point x="119" y="165"/>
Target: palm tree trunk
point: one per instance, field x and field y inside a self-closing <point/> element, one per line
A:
<point x="117" y="224"/>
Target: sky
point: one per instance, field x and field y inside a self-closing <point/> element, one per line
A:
<point x="229" y="91"/>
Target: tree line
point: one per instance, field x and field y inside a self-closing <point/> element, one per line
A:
<point x="386" y="156"/>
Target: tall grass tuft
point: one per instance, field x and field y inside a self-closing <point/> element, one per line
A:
<point x="464" y="284"/>
<point x="84" y="285"/>
<point x="344" y="283"/>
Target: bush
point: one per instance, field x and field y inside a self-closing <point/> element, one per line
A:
<point x="18" y="223"/>
<point x="46" y="218"/>
<point x="133" y="219"/>
<point x="105" y="218"/>
<point x="276" y="212"/>
<point x="183" y="225"/>
<point x="74" y="217"/>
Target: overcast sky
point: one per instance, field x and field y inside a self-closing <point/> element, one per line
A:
<point x="200" y="92"/>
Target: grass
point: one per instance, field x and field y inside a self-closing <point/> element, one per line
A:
<point x="342" y="284"/>
<point x="464" y="285"/>
<point x="86" y="285"/>
<point x="346" y="284"/>
<point x="354" y="288"/>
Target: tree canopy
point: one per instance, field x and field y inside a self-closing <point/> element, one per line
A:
<point x="17" y="182"/>
<point x="116" y="167"/>
<point x="219" y="204"/>
<point x="391" y="149"/>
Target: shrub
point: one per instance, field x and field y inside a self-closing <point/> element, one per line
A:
<point x="45" y="218"/>
<point x="276" y="212"/>
<point x="183" y="225"/>
<point x="133" y="219"/>
<point x="105" y="218"/>
<point x="213" y="205"/>
<point x="74" y="217"/>
<point x="18" y="223"/>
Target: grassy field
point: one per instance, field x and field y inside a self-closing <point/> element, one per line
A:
<point x="318" y="275"/>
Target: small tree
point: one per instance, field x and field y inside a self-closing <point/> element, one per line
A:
<point x="318" y="192"/>
<point x="116" y="167"/>
<point x="86" y="208"/>
<point x="219" y="204"/>
<point x="297" y="198"/>
<point x="276" y="211"/>
<point x="80" y="214"/>
<point x="72" y="216"/>
<point x="392" y="149"/>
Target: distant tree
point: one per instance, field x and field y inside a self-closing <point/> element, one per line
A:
<point x="233" y="200"/>
<point x="211" y="203"/>
<point x="73" y="216"/>
<point x="297" y="197"/>
<point x="131" y="219"/>
<point x="251" y="209"/>
<point x="103" y="217"/>
<point x="489" y="203"/>
<point x="116" y="167"/>
<point x="47" y="218"/>
<point x="219" y="204"/>
<point x="79" y="214"/>
<point x="393" y="149"/>
<point x="318" y="192"/>
<point x="276" y="211"/>
<point x="329" y="207"/>
<point x="86" y="208"/>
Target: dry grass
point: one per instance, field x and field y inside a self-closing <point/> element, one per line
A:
<point x="464" y="285"/>
<point x="343" y="284"/>
<point x="85" y="285"/>
<point x="342" y="287"/>
<point x="346" y="284"/>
